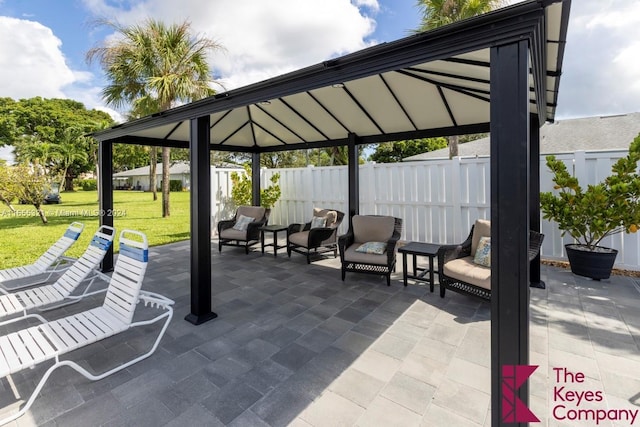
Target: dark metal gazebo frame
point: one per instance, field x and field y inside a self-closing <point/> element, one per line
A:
<point x="498" y="72"/>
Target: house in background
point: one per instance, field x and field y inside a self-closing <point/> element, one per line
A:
<point x="608" y="133"/>
<point x="138" y="179"/>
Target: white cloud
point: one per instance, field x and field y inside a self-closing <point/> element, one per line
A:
<point x="31" y="62"/>
<point x="262" y="39"/>
<point x="601" y="70"/>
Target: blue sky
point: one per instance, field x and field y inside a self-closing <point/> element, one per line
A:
<point x="44" y="43"/>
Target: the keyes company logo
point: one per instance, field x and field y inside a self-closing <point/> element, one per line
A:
<point x="513" y="409"/>
<point x="571" y="401"/>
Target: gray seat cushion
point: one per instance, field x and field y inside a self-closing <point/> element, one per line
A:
<point x="233" y="234"/>
<point x="300" y="239"/>
<point x="466" y="270"/>
<point x="351" y="255"/>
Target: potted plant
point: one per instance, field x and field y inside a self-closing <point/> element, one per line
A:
<point x="609" y="207"/>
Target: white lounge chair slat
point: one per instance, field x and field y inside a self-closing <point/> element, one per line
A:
<point x="90" y="325"/>
<point x="9" y="304"/>
<point x="43" y="343"/>
<point x="10" y="356"/>
<point x="78" y="325"/>
<point x="32" y="346"/>
<point x="20" y="348"/>
<point x="64" y="340"/>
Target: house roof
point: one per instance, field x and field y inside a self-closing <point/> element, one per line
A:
<point x="429" y="84"/>
<point x="564" y="136"/>
<point x="175" y="169"/>
<point x="178" y="168"/>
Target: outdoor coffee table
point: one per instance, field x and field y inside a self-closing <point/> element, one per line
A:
<point x="416" y="249"/>
<point x="275" y="228"/>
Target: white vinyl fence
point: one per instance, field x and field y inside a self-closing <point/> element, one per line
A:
<point x="438" y="200"/>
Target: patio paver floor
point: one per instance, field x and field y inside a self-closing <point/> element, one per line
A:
<point x="293" y="344"/>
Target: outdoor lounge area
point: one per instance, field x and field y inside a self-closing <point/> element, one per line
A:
<point x="299" y="346"/>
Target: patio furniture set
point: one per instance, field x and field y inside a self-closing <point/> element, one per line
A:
<point x="47" y="341"/>
<point x="370" y="246"/>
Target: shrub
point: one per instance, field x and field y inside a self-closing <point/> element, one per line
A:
<point x="89" y="184"/>
<point x="241" y="190"/>
<point x="175" y="185"/>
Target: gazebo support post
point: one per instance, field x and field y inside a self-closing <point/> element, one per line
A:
<point x="353" y="175"/>
<point x="534" y="196"/>
<point x="509" y="224"/>
<point x="255" y="178"/>
<point x="200" y="222"/>
<point x="105" y="196"/>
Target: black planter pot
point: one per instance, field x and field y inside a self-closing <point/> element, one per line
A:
<point x="596" y="265"/>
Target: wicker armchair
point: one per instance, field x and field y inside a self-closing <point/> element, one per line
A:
<point x="457" y="270"/>
<point x="370" y="228"/>
<point x="230" y="236"/>
<point x="305" y="240"/>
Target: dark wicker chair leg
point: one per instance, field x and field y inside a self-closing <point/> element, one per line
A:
<point x="389" y="279"/>
<point x="343" y="274"/>
<point x="335" y="252"/>
<point x="219" y="246"/>
<point x="246" y="248"/>
<point x="443" y="289"/>
<point x="308" y="258"/>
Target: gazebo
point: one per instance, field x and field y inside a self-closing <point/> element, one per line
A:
<point x="498" y="72"/>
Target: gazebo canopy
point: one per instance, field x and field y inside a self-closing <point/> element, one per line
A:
<point x="430" y="84"/>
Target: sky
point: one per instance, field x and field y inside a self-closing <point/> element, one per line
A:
<point x="43" y="43"/>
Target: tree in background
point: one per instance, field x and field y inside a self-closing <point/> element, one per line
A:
<point x="71" y="147"/>
<point x="152" y="67"/>
<point x="31" y="188"/>
<point x="36" y="126"/>
<point x="436" y="13"/>
<point x="390" y="152"/>
<point x="8" y="185"/>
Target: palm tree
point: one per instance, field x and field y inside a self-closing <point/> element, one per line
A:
<point x="436" y="13"/>
<point x="153" y="67"/>
<point x="72" y="146"/>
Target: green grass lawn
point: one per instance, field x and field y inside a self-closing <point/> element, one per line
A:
<point x="23" y="237"/>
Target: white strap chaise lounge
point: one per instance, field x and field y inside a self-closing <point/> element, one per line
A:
<point x="61" y="292"/>
<point x="50" y="262"/>
<point x="48" y="341"/>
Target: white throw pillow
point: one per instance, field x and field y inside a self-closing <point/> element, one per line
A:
<point x="242" y="223"/>
<point x="318" y="222"/>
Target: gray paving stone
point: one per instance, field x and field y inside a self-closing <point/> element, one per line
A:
<point x="293" y="356"/>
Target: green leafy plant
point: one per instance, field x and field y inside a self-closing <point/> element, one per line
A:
<point x="609" y="207"/>
<point x="241" y="190"/>
<point x="175" y="185"/>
